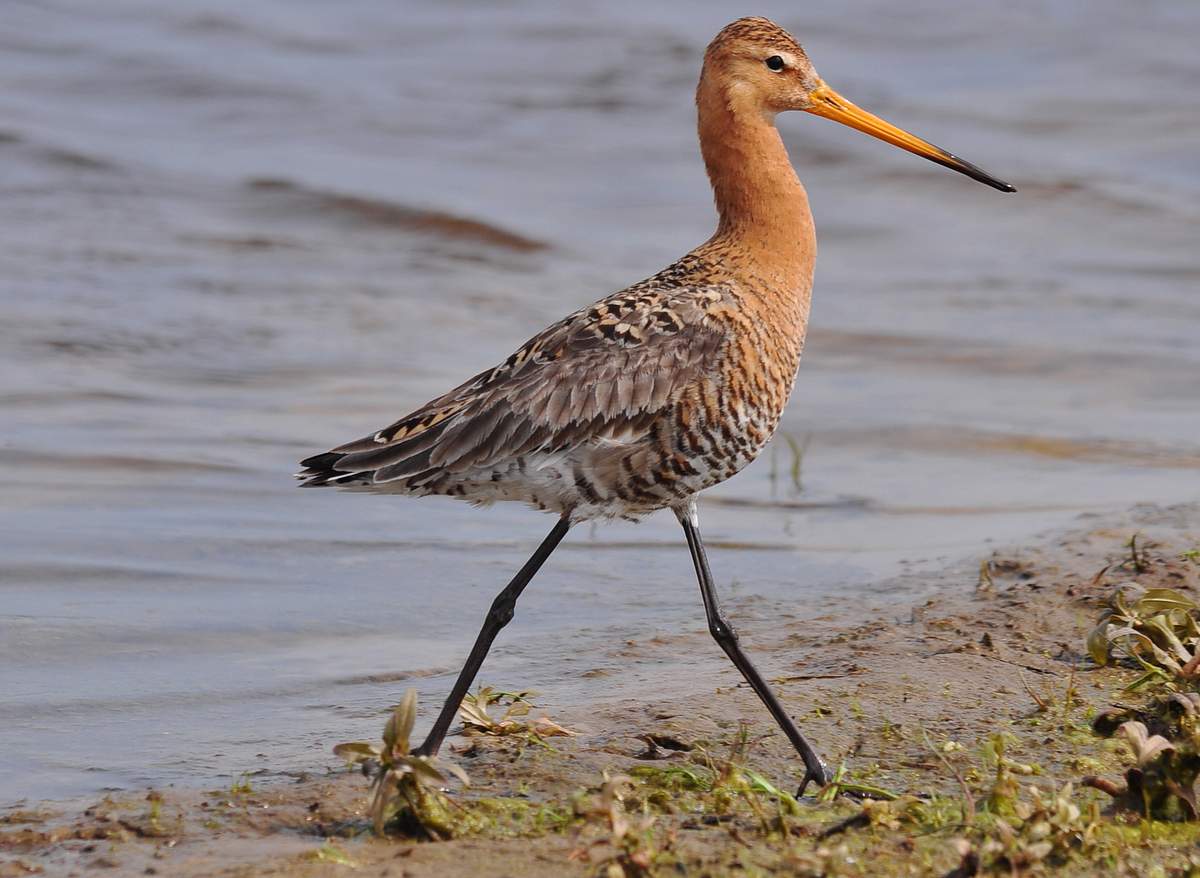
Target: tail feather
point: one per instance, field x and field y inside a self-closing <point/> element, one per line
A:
<point x="319" y="462"/>
<point x="321" y="469"/>
<point x="373" y="464"/>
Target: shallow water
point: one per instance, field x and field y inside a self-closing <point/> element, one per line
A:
<point x="238" y="233"/>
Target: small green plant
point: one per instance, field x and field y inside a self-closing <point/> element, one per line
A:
<point x="1044" y="829"/>
<point x="478" y="721"/>
<point x="797" y="449"/>
<point x="1138" y="561"/>
<point x="405" y="792"/>
<point x="1002" y="797"/>
<point x="623" y="845"/>
<point x="1157" y="628"/>
<point x="1161" y="784"/>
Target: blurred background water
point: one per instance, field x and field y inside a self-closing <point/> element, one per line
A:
<point x="236" y="234"/>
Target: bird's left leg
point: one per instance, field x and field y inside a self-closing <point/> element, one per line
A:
<point x="727" y="639"/>
<point x="498" y="616"/>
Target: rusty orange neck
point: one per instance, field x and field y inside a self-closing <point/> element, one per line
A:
<point x="762" y="205"/>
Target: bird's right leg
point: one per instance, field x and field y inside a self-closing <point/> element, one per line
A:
<point x="727" y="639"/>
<point x="498" y="616"/>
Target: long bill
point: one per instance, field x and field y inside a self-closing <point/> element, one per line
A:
<point x="828" y="103"/>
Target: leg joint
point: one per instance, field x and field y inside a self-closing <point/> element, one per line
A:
<point x="502" y="610"/>
<point x="722" y="631"/>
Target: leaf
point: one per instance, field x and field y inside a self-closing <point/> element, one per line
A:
<point x="1156" y="600"/>
<point x="457" y="770"/>
<point x="1169" y="639"/>
<point x="1097" y="644"/>
<point x="405" y="718"/>
<point x="1146" y="747"/>
<point x="1152" y="675"/>
<point x="385" y="791"/>
<point x="423" y="769"/>
<point x="355" y="752"/>
<point x="1128" y="589"/>
<point x="518" y="708"/>
<point x="760" y="783"/>
<point x="548" y="728"/>
<point x="1141" y="640"/>
<point x="1127" y="631"/>
<point x="473" y="711"/>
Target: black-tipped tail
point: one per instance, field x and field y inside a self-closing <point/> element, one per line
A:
<point x="321" y="469"/>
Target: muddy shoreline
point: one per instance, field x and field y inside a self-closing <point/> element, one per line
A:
<point x="907" y="700"/>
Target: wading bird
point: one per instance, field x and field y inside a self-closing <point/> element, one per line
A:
<point x="647" y="397"/>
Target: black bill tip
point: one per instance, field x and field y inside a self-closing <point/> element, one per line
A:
<point x="954" y="163"/>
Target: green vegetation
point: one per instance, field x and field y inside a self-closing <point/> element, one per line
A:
<point x="403" y="795"/>
<point x="1157" y="629"/>
<point x="478" y="721"/>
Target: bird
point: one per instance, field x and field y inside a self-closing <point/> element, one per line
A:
<point x="641" y="401"/>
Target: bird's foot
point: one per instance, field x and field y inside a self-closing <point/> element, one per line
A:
<point x="815" y="774"/>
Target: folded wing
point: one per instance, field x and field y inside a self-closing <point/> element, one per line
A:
<point x="602" y="374"/>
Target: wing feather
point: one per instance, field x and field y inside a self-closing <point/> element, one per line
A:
<point x="580" y="379"/>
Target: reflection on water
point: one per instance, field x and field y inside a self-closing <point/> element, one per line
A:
<point x="236" y="233"/>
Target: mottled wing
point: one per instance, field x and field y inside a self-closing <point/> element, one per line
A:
<point x="602" y="374"/>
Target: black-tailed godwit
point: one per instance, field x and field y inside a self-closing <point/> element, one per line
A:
<point x="644" y="399"/>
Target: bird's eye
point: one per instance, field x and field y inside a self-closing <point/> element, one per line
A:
<point x="775" y="63"/>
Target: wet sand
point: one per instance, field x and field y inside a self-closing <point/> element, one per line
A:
<point x="883" y="692"/>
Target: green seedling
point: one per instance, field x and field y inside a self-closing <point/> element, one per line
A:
<point x="406" y="790"/>
<point x="796" y="450"/>
<point x="1138" y="561"/>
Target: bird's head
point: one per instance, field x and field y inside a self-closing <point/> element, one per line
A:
<point x="758" y="68"/>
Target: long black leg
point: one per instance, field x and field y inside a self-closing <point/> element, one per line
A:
<point x="498" y="616"/>
<point x="727" y="639"/>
